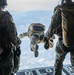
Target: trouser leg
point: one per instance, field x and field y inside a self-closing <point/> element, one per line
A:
<point x="33" y="42"/>
<point x="72" y="59"/>
<point x="33" y="45"/>
<point x="60" y="56"/>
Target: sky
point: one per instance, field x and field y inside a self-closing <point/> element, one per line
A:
<point x="25" y="5"/>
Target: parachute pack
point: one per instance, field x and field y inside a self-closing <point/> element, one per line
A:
<point x="68" y="25"/>
<point x="3" y="30"/>
<point x="36" y="29"/>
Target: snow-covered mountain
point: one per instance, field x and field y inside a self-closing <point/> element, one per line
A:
<point x="46" y="57"/>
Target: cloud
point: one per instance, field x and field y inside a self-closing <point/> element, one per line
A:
<point x="31" y="4"/>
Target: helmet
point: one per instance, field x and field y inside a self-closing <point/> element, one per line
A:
<point x="3" y="2"/>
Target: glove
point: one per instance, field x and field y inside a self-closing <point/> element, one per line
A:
<point x="21" y="36"/>
<point x="51" y="43"/>
<point x="46" y="43"/>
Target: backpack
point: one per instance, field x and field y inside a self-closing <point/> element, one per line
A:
<point x="67" y="13"/>
<point x="36" y="28"/>
<point x="3" y="30"/>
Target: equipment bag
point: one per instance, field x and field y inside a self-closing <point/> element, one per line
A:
<point x="68" y="25"/>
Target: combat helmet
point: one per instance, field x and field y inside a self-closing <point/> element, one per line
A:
<point x="3" y="3"/>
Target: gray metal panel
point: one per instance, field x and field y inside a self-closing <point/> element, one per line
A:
<point x="67" y="70"/>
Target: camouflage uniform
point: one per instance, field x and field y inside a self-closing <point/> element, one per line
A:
<point x="9" y="38"/>
<point x="55" y="28"/>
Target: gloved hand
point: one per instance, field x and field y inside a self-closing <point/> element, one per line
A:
<point x="46" y="42"/>
<point x="51" y="42"/>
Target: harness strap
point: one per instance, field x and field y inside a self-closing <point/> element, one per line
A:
<point x="66" y="49"/>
